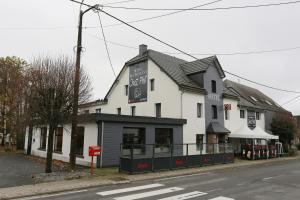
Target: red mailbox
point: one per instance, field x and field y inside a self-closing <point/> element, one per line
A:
<point x="94" y="150"/>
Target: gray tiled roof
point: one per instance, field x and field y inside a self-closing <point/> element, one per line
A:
<point x="200" y="65"/>
<point x="170" y="65"/>
<point x="245" y="93"/>
<point x="216" y="127"/>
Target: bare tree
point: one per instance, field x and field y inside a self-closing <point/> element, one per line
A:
<point x="52" y="81"/>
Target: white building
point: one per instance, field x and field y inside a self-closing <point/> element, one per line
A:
<point x="157" y="99"/>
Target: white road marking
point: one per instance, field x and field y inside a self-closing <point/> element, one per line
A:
<point x="130" y="189"/>
<point x="264" y="179"/>
<point x="185" y="196"/>
<point x="149" y="194"/>
<point x="221" y="198"/>
<point x="185" y="176"/>
<point x="217" y="189"/>
<point x="52" y="195"/>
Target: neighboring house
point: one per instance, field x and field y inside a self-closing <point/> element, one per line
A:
<point x="156" y="99"/>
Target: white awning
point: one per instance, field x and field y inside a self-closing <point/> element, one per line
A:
<point x="257" y="133"/>
<point x="264" y="134"/>
<point x="244" y="132"/>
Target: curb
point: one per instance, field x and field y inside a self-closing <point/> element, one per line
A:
<point x="157" y="175"/>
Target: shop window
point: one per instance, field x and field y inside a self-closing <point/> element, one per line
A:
<point x="226" y="114"/>
<point x="214" y="111"/>
<point x="98" y="110"/>
<point x="158" y="109"/>
<point x="257" y="116"/>
<point x="163" y="140"/>
<point x="199" y="142"/>
<point x="152" y="86"/>
<point x="213" y="86"/>
<point x="119" y="111"/>
<point x="242" y="114"/>
<point x="80" y="141"/>
<point x="43" y="138"/>
<point x="126" y="90"/>
<point x="133" y="138"/>
<point x="58" y="139"/>
<point x="221" y="139"/>
<point x="133" y="110"/>
<point x="199" y="110"/>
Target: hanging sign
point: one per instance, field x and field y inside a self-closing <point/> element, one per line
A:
<point x="138" y="79"/>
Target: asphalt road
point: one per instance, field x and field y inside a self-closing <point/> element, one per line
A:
<point x="265" y="182"/>
<point x="16" y="170"/>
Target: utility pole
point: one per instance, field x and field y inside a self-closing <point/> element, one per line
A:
<point x="76" y="89"/>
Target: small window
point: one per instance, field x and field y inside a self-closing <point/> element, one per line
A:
<point x="242" y="113"/>
<point x="98" y="110"/>
<point x="58" y="139"/>
<point x="199" y="142"/>
<point x="158" y="109"/>
<point x="257" y="116"/>
<point x="126" y="90"/>
<point x="226" y="114"/>
<point x="253" y="98"/>
<point x="152" y="85"/>
<point x="43" y="138"/>
<point x="213" y="86"/>
<point x="268" y="102"/>
<point x="199" y="110"/>
<point x="133" y="110"/>
<point x="119" y="111"/>
<point x="214" y="112"/>
<point x="80" y="141"/>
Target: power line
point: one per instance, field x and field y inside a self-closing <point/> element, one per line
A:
<point x="106" y="47"/>
<point x="185" y="53"/>
<point x="205" y="9"/>
<point x="208" y="54"/>
<point x="291" y="100"/>
<point x="163" y="15"/>
<point x="117" y="2"/>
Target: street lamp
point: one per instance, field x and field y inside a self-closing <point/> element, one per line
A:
<point x="76" y="88"/>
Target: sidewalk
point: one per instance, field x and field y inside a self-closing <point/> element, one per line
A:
<point x="60" y="186"/>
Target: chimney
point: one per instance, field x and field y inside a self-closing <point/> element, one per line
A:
<point x="142" y="49"/>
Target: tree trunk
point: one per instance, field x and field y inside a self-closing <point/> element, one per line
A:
<point x="50" y="149"/>
<point x="29" y="143"/>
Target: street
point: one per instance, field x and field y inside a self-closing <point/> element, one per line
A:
<point x="273" y="181"/>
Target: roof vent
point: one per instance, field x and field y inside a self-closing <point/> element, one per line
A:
<point x="142" y="49"/>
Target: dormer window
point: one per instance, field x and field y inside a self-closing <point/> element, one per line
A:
<point x="253" y="98"/>
<point x="268" y="102"/>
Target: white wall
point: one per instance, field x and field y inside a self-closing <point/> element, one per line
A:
<point x="90" y="138"/>
<point x="194" y="124"/>
<point x="235" y="122"/>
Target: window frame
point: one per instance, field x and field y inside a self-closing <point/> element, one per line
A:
<point x="119" y="111"/>
<point x="152" y="84"/>
<point x="98" y="110"/>
<point x="43" y="138"/>
<point x="199" y="110"/>
<point x="257" y="116"/>
<point x="213" y="86"/>
<point x="214" y="112"/>
<point x="126" y="90"/>
<point x="55" y="148"/>
<point x="158" y="110"/>
<point x="81" y="152"/>
<point x="133" y="110"/>
<point x="242" y="116"/>
<point x="199" y="144"/>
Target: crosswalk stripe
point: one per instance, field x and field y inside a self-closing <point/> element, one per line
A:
<point x="221" y="198"/>
<point x="130" y="189"/>
<point x="189" y="195"/>
<point x="149" y="194"/>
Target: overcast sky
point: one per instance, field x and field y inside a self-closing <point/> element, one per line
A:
<point x="34" y="28"/>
